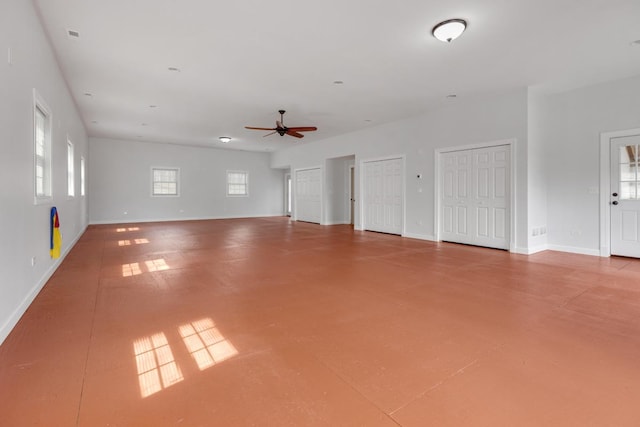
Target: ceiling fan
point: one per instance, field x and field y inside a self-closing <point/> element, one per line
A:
<point x="283" y="130"/>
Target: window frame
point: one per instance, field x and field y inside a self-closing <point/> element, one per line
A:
<point x="71" y="170"/>
<point x="46" y="159"/>
<point x="153" y="181"/>
<point x="83" y="177"/>
<point x="246" y="184"/>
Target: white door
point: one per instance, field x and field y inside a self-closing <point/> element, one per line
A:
<point x="474" y="196"/>
<point x="308" y="195"/>
<point x="383" y="199"/>
<point x="625" y="196"/>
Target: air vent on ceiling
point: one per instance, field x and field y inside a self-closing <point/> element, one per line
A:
<point x="73" y="34"/>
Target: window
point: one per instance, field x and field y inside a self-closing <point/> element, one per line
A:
<point x="71" y="185"/>
<point x="165" y="181"/>
<point x="83" y="184"/>
<point x="237" y="183"/>
<point x="42" y="149"/>
<point x="629" y="176"/>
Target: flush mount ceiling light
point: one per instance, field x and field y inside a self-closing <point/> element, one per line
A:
<point x="449" y="30"/>
<point x="224" y="139"/>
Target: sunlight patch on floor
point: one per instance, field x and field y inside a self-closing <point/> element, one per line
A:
<point x="134" y="268"/>
<point x="156" y="365"/>
<point x="206" y="344"/>
<point x="128" y="242"/>
<point x="123" y="229"/>
<point x="156" y="265"/>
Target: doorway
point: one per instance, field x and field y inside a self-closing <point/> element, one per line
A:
<point x="352" y="195"/>
<point x="620" y="194"/>
<point x="383" y="195"/>
<point x="287" y="194"/>
<point x="308" y="199"/>
<point x="474" y="195"/>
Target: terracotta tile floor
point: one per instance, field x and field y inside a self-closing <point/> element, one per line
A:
<point x="271" y="323"/>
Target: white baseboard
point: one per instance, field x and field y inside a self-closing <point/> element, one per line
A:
<point x="574" y="250"/>
<point x="418" y="236"/>
<point x="531" y="250"/>
<point x="336" y="223"/>
<point x="203" y="218"/>
<point x="14" y="318"/>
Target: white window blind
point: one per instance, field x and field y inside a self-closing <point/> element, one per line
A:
<point x="71" y="184"/>
<point x="237" y="183"/>
<point x="165" y="181"/>
<point x="41" y="149"/>
<point x="82" y="177"/>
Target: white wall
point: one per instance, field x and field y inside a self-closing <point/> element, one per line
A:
<point x="24" y="227"/>
<point x="538" y="126"/>
<point x="573" y="154"/>
<point x="120" y="181"/>
<point x="463" y="122"/>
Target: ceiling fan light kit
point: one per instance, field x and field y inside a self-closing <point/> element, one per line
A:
<point x="283" y="130"/>
<point x="449" y="30"/>
<point x="225" y="139"/>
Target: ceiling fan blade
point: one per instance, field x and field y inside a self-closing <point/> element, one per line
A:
<point x="252" y="128"/>
<point x="303" y="128"/>
<point x="294" y="133"/>
<point x="270" y="133"/>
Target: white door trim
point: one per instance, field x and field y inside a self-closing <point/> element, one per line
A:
<point x="605" y="186"/>
<point x="361" y="178"/>
<point x="351" y="172"/>
<point x="294" y="214"/>
<point x="512" y="191"/>
<point x="287" y="194"/>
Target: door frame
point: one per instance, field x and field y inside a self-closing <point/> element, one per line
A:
<point x="352" y="194"/>
<point x="605" y="186"/>
<point x="438" y="152"/>
<point x="294" y="190"/>
<point x="361" y="179"/>
<point x="288" y="194"/>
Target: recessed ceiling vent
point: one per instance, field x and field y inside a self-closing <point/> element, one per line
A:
<point x="73" y="33"/>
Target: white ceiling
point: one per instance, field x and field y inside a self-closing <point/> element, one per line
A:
<point x="241" y="61"/>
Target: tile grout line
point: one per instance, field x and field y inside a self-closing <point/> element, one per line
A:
<point x="451" y="376"/>
<point x="93" y="320"/>
<point x="573" y="298"/>
<point x="388" y="415"/>
<point x="435" y="386"/>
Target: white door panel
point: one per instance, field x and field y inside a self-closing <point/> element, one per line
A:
<point x="625" y="196"/>
<point x="474" y="190"/>
<point x="383" y="198"/>
<point x="308" y="195"/>
<point x="462" y="220"/>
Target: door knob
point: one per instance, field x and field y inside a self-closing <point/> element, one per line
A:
<point x="615" y="194"/>
<point x="615" y="202"/>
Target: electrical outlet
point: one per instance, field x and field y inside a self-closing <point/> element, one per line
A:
<point x="33" y="261"/>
